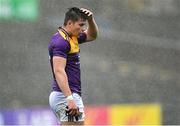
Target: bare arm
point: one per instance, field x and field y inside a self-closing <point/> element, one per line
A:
<point x="92" y="30"/>
<point x="59" y="64"/>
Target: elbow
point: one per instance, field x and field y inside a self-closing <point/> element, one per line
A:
<point x="91" y="36"/>
<point x="94" y="36"/>
<point x="58" y="72"/>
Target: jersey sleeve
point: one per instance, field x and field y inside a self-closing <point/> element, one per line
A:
<point x="82" y="38"/>
<point x="60" y="48"/>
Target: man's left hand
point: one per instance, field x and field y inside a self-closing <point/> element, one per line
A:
<point x="87" y="12"/>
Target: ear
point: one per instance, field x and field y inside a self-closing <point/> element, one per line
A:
<point x="69" y="22"/>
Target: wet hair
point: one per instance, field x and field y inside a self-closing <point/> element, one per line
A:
<point x="74" y="14"/>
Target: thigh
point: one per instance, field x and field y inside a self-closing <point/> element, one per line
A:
<point x="58" y="104"/>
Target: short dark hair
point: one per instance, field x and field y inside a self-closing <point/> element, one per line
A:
<point x="74" y="14"/>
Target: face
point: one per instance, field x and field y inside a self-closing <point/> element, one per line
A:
<point x="77" y="27"/>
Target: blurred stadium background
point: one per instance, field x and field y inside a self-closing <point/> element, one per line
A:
<point x="130" y="74"/>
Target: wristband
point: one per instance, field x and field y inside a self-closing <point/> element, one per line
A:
<point x="70" y="97"/>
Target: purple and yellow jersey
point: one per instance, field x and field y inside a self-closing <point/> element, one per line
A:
<point x="67" y="47"/>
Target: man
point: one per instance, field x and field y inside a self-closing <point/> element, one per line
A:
<point x="65" y="99"/>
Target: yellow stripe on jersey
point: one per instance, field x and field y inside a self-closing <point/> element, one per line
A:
<point x="72" y="41"/>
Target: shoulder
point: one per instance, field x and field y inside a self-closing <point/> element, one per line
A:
<point x="57" y="41"/>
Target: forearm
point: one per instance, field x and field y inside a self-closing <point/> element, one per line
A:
<point x="62" y="80"/>
<point x="92" y="29"/>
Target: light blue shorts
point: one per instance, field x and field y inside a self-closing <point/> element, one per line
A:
<point x="58" y="103"/>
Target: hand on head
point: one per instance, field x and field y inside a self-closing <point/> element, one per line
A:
<point x="87" y="12"/>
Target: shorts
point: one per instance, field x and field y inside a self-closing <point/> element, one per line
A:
<point x="58" y="103"/>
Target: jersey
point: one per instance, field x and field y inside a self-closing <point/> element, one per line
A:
<point x="67" y="47"/>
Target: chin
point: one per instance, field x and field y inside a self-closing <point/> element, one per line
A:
<point x="76" y="34"/>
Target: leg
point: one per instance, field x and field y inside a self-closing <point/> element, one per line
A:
<point x="58" y="104"/>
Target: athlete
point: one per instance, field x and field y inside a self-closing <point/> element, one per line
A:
<point x="65" y="99"/>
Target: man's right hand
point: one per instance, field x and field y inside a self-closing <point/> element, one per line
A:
<point x="72" y="107"/>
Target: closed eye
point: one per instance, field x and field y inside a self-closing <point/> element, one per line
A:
<point x="82" y="24"/>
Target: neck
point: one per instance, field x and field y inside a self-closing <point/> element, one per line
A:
<point x="67" y="30"/>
